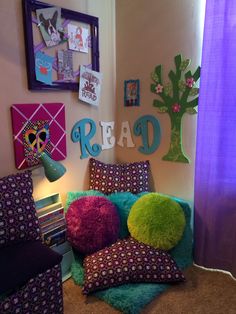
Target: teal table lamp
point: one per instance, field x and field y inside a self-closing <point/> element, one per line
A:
<point x="54" y="170"/>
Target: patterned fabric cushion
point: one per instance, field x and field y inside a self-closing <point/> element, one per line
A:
<point x="23" y="261"/>
<point x="40" y="295"/>
<point x="18" y="219"/>
<point x="128" y="261"/>
<point x="110" y="178"/>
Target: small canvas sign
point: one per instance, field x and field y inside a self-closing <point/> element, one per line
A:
<point x="43" y="67"/>
<point x="49" y="22"/>
<point x="78" y="38"/>
<point x="65" y="65"/>
<point x="90" y="86"/>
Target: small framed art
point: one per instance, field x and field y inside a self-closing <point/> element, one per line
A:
<point x="57" y="42"/>
<point x="131" y="93"/>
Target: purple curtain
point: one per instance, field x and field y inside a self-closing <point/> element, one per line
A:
<point x="215" y="176"/>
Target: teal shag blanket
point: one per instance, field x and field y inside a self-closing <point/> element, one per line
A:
<point x="132" y="298"/>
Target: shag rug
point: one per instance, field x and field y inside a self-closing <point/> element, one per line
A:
<point x="132" y="298"/>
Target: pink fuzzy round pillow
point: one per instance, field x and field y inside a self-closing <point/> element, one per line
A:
<point x="92" y="224"/>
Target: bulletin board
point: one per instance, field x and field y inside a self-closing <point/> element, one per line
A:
<point x="36" y="46"/>
<point x="37" y="128"/>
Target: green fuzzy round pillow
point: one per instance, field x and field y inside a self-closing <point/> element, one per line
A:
<point x="156" y="220"/>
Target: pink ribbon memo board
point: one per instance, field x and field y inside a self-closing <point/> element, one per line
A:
<point x="37" y="128"/>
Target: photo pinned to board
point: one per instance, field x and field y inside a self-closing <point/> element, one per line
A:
<point x="90" y="86"/>
<point x="65" y="65"/>
<point x="49" y="22"/>
<point x="78" y="38"/>
<point x="43" y="67"/>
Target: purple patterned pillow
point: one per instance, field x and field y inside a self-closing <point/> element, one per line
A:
<point x="18" y="219"/>
<point x="111" y="178"/>
<point x="129" y="261"/>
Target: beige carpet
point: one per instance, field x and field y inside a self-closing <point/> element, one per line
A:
<point x="204" y="292"/>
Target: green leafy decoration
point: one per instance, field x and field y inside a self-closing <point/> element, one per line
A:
<point x="184" y="64"/>
<point x="158" y="103"/>
<point x="162" y="109"/>
<point x="194" y="91"/>
<point x="155" y="77"/>
<point x="196" y="74"/>
<point x="191" y="110"/>
<point x="182" y="85"/>
<point x="174" y="101"/>
<point x="193" y="103"/>
<point x="168" y="89"/>
<point x="153" y="88"/>
<point x="175" y="152"/>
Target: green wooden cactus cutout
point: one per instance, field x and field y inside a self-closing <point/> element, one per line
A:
<point x="176" y="99"/>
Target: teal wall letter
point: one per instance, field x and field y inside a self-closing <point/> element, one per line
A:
<point x="78" y="134"/>
<point x="141" y="128"/>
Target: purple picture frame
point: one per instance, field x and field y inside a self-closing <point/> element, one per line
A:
<point x="30" y="6"/>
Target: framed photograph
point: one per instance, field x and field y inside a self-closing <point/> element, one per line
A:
<point x="57" y="42"/>
<point x="131" y="93"/>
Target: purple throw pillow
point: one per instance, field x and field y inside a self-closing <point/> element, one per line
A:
<point x="129" y="261"/>
<point x="18" y="218"/>
<point x="111" y="178"/>
<point x="92" y="223"/>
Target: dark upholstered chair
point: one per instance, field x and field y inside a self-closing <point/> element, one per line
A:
<point x="30" y="273"/>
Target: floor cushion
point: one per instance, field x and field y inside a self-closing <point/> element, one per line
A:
<point x="126" y="261"/>
<point x="127" y="177"/>
<point x="156" y="220"/>
<point x="92" y="224"/>
<point x="132" y="298"/>
<point x="122" y="200"/>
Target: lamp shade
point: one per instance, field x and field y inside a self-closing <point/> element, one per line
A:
<point x="53" y="169"/>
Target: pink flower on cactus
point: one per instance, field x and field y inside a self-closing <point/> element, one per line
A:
<point x="159" y="88"/>
<point x="176" y="107"/>
<point x="190" y="82"/>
